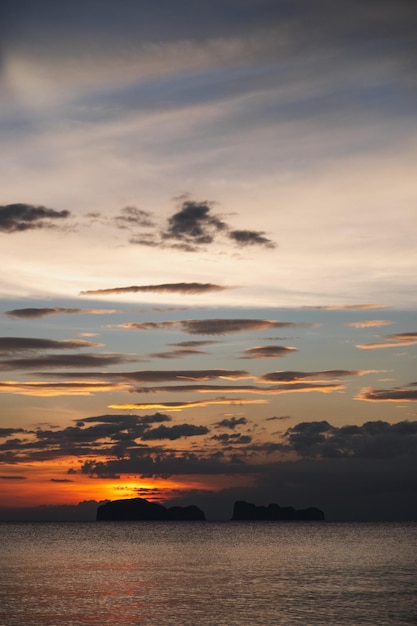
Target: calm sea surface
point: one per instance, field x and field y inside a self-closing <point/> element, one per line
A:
<point x="208" y="573"/>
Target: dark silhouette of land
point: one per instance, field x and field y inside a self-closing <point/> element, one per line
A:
<point x="244" y="511"/>
<point x="139" y="509"/>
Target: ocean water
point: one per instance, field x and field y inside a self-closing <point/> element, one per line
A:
<point x="196" y="574"/>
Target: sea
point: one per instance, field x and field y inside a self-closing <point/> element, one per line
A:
<point x="208" y="573"/>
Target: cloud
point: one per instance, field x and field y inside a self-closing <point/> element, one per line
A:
<point x="251" y="238"/>
<point x="12" y="477"/>
<point x="317" y="377"/>
<point x="397" y="394"/>
<point x="274" y="390"/>
<point x="132" y="217"/>
<point x="178" y="353"/>
<point x="33" y="313"/>
<point x="347" y="307"/>
<point x="371" y="440"/>
<point x="268" y="352"/>
<point x="64" y="360"/>
<point x="178" y="431"/>
<point x="212" y="326"/>
<point x="278" y="418"/>
<point x="61" y="480"/>
<point x="193" y="224"/>
<point x="36" y="388"/>
<point x="393" y="341"/>
<point x="227" y="439"/>
<point x="191" y="227"/>
<point x="370" y="323"/>
<point x="179" y="406"/>
<point x="186" y="288"/>
<point x="156" y="376"/>
<point x="26" y="344"/>
<point x="20" y="217"/>
<point x="231" y="423"/>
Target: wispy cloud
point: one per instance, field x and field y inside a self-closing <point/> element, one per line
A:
<point x="270" y="390"/>
<point x="212" y="326"/>
<point x="50" y="389"/>
<point x="317" y="377"/>
<point x="64" y="361"/>
<point x="15" y="218"/>
<point x="396" y="394"/>
<point x="25" y="344"/>
<point x="33" y="313"/>
<point x="347" y="307"/>
<point x="268" y="352"/>
<point x="392" y="341"/>
<point x="179" y="406"/>
<point x="186" y="288"/>
<point x="369" y="323"/>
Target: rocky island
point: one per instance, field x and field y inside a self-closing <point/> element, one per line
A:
<point x="139" y="509"/>
<point x="245" y="511"/>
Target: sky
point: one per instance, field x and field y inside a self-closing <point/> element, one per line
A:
<point x="208" y="240"/>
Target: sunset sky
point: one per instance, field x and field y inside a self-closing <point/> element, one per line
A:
<point x="208" y="233"/>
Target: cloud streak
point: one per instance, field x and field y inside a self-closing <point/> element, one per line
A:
<point x="212" y="326"/>
<point x="392" y="341"/>
<point x="34" y="313"/>
<point x="185" y="288"/>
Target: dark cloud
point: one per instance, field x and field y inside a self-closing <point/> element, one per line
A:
<point x="177" y="353"/>
<point x="12" y="477"/>
<point x="186" y="288"/>
<point x="277" y="418"/>
<point x="191" y="227"/>
<point x="156" y="376"/>
<point x="231" y="423"/>
<point x="61" y="480"/>
<point x="33" y="313"/>
<point x="26" y="344"/>
<point x="371" y="440"/>
<point x="132" y="217"/>
<point x="7" y="432"/>
<point x="193" y="224"/>
<point x="251" y="238"/>
<point x="127" y="420"/>
<point x="20" y="217"/>
<point x="268" y="352"/>
<point x="233" y="438"/>
<point x="212" y="326"/>
<point x="174" y="432"/>
<point x="64" y="360"/>
<point x="193" y="344"/>
<point x="320" y="375"/>
<point x="397" y="394"/>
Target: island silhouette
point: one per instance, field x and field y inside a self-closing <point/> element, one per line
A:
<point x="139" y="509"/>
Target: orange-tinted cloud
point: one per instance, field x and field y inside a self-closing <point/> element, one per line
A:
<point x="397" y="394"/>
<point x="48" y="389"/>
<point x="393" y="341"/>
<point x="179" y="406"/>
<point x="370" y="323"/>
